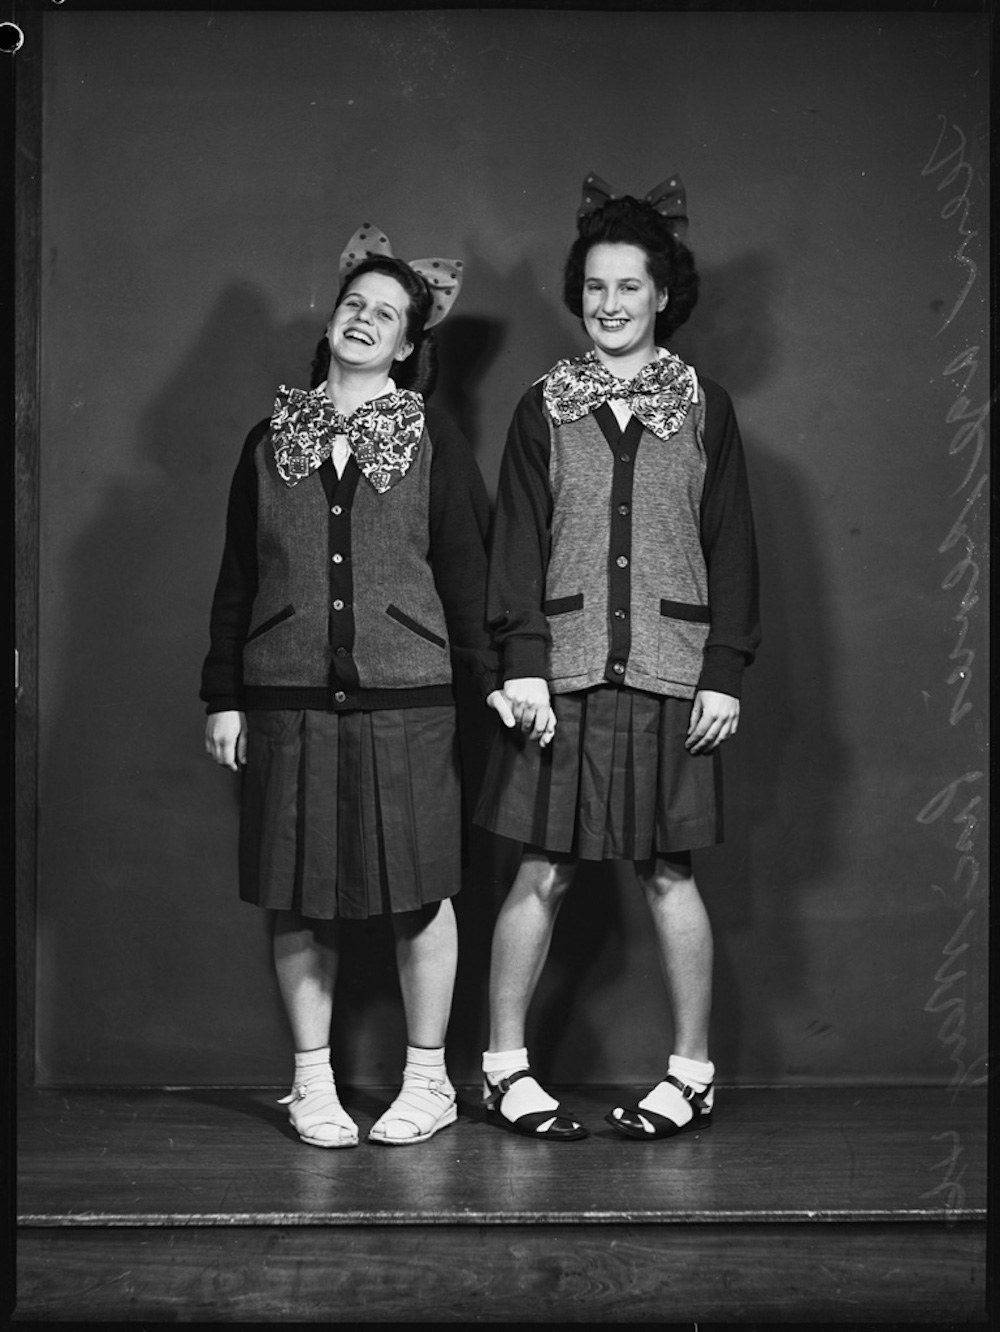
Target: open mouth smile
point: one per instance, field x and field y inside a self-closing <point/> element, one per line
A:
<point x="358" y="335"/>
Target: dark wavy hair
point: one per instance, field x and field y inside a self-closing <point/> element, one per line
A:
<point x="419" y="370"/>
<point x="629" y="221"/>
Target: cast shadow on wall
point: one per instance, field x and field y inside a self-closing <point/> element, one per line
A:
<point x="141" y="938"/>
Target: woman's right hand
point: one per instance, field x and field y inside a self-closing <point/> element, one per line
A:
<point x="531" y="708"/>
<point x="226" y="739"/>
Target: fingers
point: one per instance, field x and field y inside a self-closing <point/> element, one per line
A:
<point x="710" y="732"/>
<point x="498" y="701"/>
<point x="228" y="751"/>
<point x="536" y="720"/>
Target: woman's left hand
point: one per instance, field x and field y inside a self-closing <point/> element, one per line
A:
<point x="714" y="718"/>
<point x="497" y="700"/>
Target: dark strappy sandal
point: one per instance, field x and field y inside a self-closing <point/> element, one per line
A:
<point x="636" y="1122"/>
<point x="563" y="1128"/>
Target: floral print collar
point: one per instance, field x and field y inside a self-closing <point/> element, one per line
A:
<point x="660" y="395"/>
<point x="383" y="433"/>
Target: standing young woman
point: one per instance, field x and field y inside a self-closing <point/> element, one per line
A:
<point x="623" y="597"/>
<point x="354" y="569"/>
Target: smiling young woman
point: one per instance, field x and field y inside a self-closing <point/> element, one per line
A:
<point x="328" y="682"/>
<point x="623" y="598"/>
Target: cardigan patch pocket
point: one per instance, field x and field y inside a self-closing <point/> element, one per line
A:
<point x="415" y="626"/>
<point x="568" y="651"/>
<point x="271" y="623"/>
<point x="683" y="631"/>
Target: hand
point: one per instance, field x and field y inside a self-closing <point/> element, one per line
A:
<point x="497" y="700"/>
<point x="530" y="707"/>
<point x="714" y="718"/>
<point x="226" y="739"/>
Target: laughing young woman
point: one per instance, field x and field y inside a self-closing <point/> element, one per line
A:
<point x="623" y="597"/>
<point x="354" y="569"/>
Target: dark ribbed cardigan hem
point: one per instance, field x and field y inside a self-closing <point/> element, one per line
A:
<point x="267" y="698"/>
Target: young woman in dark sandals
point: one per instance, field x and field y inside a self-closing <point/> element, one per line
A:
<point x="354" y="570"/>
<point x="623" y="597"/>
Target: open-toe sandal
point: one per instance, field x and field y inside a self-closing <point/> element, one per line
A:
<point x="551" y="1125"/>
<point x="423" y="1106"/>
<point x="318" y="1117"/>
<point x="636" y="1122"/>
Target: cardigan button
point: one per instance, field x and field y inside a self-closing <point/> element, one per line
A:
<point x="624" y="510"/>
<point x="337" y="510"/>
<point x="338" y="604"/>
<point x="625" y="457"/>
<point x="621" y="613"/>
<point x="622" y="561"/>
<point x="340" y="696"/>
<point x="338" y="559"/>
<point x="618" y="667"/>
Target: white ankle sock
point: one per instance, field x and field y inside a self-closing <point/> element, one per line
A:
<point x="313" y="1066"/>
<point x="526" y="1096"/>
<point x="428" y="1062"/>
<point x="665" y="1099"/>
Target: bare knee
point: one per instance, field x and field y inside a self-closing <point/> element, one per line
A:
<point x="433" y="919"/>
<point x="667" y="876"/>
<point x="291" y="929"/>
<point x="545" y="878"/>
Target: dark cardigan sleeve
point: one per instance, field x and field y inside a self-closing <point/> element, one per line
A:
<point x="222" y="673"/>
<point x="730" y="550"/>
<point x="520" y="546"/>
<point x="459" y="523"/>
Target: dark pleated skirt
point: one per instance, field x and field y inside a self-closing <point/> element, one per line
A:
<point x="350" y="814"/>
<point x="616" y="783"/>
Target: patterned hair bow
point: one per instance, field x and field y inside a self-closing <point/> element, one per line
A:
<point x="443" y="276"/>
<point x="668" y="198"/>
<point x="660" y="395"/>
<point x="383" y="434"/>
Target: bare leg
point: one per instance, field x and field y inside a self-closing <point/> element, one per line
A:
<point x="684" y="941"/>
<point x="305" y="961"/>
<point x="521" y="941"/>
<point x="427" y="957"/>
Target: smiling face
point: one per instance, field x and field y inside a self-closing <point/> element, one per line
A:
<point x="620" y="305"/>
<point x="368" y="328"/>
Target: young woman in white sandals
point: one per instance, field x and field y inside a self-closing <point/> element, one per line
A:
<point x="353" y="572"/>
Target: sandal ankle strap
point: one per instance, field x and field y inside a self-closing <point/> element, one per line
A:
<point x="697" y="1098"/>
<point x="504" y="1084"/>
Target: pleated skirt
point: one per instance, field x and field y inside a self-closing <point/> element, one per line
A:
<point x="616" y="783"/>
<point x="350" y="814"/>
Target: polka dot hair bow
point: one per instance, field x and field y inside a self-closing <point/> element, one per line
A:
<point x="667" y="198"/>
<point x="443" y="276"/>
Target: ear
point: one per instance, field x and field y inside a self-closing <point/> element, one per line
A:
<point x="663" y="300"/>
<point x="404" y="351"/>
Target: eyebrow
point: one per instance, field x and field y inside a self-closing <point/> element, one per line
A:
<point x="388" y="304"/>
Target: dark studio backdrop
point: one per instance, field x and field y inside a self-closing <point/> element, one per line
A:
<point x="201" y="172"/>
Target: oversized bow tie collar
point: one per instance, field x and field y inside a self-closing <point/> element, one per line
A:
<point x="660" y="395"/>
<point x="383" y="434"/>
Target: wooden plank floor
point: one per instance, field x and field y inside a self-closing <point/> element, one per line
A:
<point x="797" y="1204"/>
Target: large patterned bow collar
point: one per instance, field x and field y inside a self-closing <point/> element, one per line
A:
<point x="383" y="434"/>
<point x="660" y="395"/>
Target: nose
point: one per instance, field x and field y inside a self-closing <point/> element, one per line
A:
<point x="610" y="302"/>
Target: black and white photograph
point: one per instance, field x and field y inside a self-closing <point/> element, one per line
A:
<point x="500" y="508"/>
